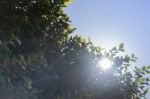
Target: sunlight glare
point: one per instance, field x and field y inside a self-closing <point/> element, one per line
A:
<point x="105" y="64"/>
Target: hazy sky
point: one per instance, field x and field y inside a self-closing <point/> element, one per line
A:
<point x="111" y="22"/>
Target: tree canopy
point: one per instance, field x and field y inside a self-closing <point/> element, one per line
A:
<point x="39" y="59"/>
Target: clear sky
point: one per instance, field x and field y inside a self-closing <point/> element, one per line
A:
<point x="111" y="22"/>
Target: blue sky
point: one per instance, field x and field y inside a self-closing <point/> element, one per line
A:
<point x="111" y="22"/>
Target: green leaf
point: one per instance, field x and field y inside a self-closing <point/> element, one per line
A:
<point x="127" y="58"/>
<point x="145" y="91"/>
<point x="121" y="47"/>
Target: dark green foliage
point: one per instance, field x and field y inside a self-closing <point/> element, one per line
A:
<point x="40" y="60"/>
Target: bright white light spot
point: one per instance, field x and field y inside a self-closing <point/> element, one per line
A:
<point x="105" y="64"/>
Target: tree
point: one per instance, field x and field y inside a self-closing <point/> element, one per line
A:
<point x="77" y="76"/>
<point x="28" y="28"/>
<point x="39" y="59"/>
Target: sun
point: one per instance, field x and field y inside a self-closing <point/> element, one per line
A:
<point x="105" y="64"/>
